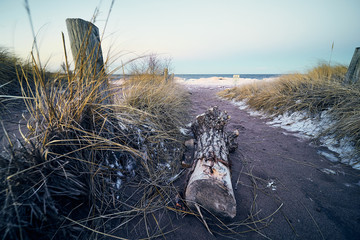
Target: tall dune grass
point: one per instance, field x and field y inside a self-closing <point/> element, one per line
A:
<point x="93" y="158"/>
<point x="320" y="89"/>
<point x="159" y="108"/>
<point x="74" y="168"/>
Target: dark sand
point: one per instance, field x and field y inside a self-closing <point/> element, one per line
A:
<point x="276" y="171"/>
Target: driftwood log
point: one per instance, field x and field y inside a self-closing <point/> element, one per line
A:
<point x="210" y="185"/>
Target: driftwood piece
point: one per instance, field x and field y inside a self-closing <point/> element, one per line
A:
<point x="210" y="181"/>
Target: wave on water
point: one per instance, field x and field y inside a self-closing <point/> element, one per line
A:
<point x="249" y="76"/>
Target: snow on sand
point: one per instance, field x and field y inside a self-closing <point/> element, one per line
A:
<point x="302" y="126"/>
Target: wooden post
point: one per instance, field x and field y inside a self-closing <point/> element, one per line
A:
<point x="85" y="45"/>
<point x="166" y="74"/>
<point x="353" y="73"/>
<point x="210" y="181"/>
<point x="86" y="50"/>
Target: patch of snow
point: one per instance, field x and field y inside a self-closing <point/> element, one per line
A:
<point x="164" y="165"/>
<point x="328" y="171"/>
<point x="301" y="125"/>
<point x="184" y="131"/>
<point x="344" y="148"/>
<point x="117" y="164"/>
<point x="306" y="127"/>
<point x="242" y="105"/>
<point x="301" y="137"/>
<point x="130" y="167"/>
<point x="271" y="184"/>
<point x="122" y="126"/>
<point x="118" y="183"/>
<point x="329" y="156"/>
<point x="255" y="113"/>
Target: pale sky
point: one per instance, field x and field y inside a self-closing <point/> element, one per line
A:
<point x="201" y="36"/>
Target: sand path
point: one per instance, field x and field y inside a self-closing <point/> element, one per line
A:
<point x="282" y="181"/>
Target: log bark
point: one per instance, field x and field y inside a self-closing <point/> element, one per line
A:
<point x="353" y="74"/>
<point x="210" y="181"/>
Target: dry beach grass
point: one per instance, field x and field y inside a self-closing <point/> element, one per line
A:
<point x="85" y="163"/>
<point x="90" y="157"/>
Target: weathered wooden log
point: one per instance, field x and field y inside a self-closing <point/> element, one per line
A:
<point x="353" y="73"/>
<point x="210" y="181"/>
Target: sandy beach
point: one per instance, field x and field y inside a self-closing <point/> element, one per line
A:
<point x="219" y="82"/>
